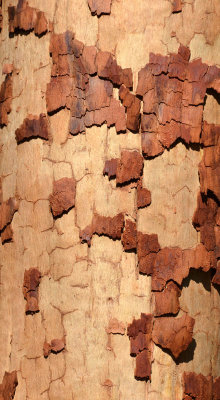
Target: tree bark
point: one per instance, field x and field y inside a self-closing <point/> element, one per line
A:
<point x="109" y="200"/>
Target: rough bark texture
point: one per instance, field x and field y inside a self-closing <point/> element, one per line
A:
<point x="109" y="200"/>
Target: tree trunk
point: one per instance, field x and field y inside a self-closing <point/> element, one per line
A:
<point x="109" y="191"/>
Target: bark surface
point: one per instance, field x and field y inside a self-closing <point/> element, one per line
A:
<point x="109" y="200"/>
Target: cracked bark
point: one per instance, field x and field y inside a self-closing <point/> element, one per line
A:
<point x="109" y="200"/>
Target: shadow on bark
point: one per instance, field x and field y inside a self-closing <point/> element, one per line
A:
<point x="199" y="276"/>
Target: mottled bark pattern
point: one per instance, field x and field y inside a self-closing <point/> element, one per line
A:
<point x="109" y="200"/>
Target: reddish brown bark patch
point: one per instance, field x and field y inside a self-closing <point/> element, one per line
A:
<point x="133" y="106"/>
<point x="88" y="98"/>
<point x="173" y="91"/>
<point x="7" y="210"/>
<point x="126" y="169"/>
<point x="33" y="126"/>
<point x="5" y="100"/>
<point x="63" y="196"/>
<point x="8" y="385"/>
<point x="143" y="365"/>
<point x="151" y="147"/>
<point x="75" y="86"/>
<point x="109" y="69"/>
<point x="167" y="301"/>
<point x="58" y="91"/>
<point x="143" y="195"/>
<point x="89" y="59"/>
<point x="129" y="166"/>
<point x="168" y="265"/>
<point x="114" y="114"/>
<point x="140" y="333"/>
<point x="56" y="346"/>
<point x="197" y="387"/>
<point x="147" y="249"/>
<point x="199" y="257"/>
<point x="174" y="334"/>
<point x="209" y="168"/>
<point x="216" y="389"/>
<point x="107" y="226"/>
<point x="25" y="18"/>
<point x="30" y="289"/>
<point x="177" y="6"/>
<point x="146" y="81"/>
<point x="129" y="236"/>
<point x="204" y="220"/>
<point x="100" y="7"/>
<point x="98" y="93"/>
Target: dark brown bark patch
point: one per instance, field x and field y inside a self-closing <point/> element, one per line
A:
<point x="32" y="127"/>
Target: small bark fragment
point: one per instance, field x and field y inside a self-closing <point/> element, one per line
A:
<point x="41" y="24"/>
<point x="199" y="258"/>
<point x="197" y="387"/>
<point x="143" y="365"/>
<point x="204" y="220"/>
<point x="89" y="58"/>
<point x="140" y="334"/>
<point x="114" y="114"/>
<point x="107" y="226"/>
<point x="25" y="18"/>
<point x="110" y="168"/>
<point x="151" y="147"/>
<point x="7" y="210"/>
<point x="174" y="334"/>
<point x="143" y="196"/>
<point x="147" y="249"/>
<point x="8" y="385"/>
<point x="98" y="93"/>
<point x="167" y="302"/>
<point x="129" y="236"/>
<point x="109" y="69"/>
<point x="129" y="167"/>
<point x="146" y="81"/>
<point x="133" y="106"/>
<point x="177" y="6"/>
<point x="33" y="126"/>
<point x="5" y="100"/>
<point x="63" y="196"/>
<point x="216" y="388"/>
<point x="58" y="91"/>
<point x="30" y="289"/>
<point x="100" y="7"/>
<point x="56" y="346"/>
<point x="168" y="265"/>
<point x="209" y="168"/>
